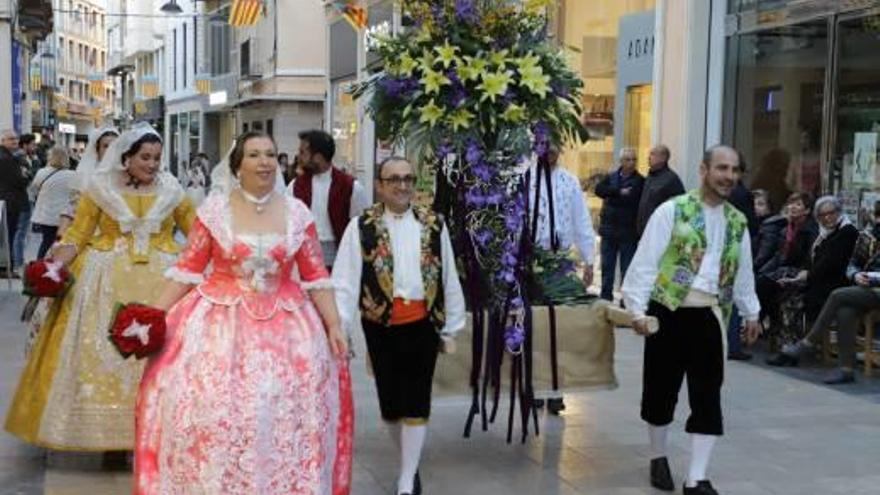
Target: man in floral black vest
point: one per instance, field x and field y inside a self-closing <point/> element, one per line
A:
<point x="334" y="196"/>
<point x="396" y="266"/>
<point x="693" y="263"/>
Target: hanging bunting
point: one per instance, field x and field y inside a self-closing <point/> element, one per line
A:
<point x="203" y="83"/>
<point x="150" y="86"/>
<point x="36" y="78"/>
<point x="245" y="12"/>
<point x="96" y="85"/>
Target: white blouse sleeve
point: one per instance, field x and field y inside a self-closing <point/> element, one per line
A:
<point x="452" y="292"/>
<point x="347" y="275"/>
<point x="744" y="285"/>
<point x="642" y="272"/>
<point x="584" y="236"/>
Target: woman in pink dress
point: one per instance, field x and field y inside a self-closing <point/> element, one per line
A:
<point x="251" y="392"/>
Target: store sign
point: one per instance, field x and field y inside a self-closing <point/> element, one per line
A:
<point x="217" y="98"/>
<point x="65" y="128"/>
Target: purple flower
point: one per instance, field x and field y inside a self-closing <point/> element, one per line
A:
<point x="475" y="197"/>
<point x="516" y="303"/>
<point x="473" y="154"/>
<point x="514" y="336"/>
<point x="495" y="197"/>
<point x="507" y="275"/>
<point x="438" y="14"/>
<point x="513" y="221"/>
<point x="396" y="88"/>
<point x="465" y="11"/>
<point x="508" y="259"/>
<point x="483" y="237"/>
<point x="444" y="149"/>
<point x="483" y="171"/>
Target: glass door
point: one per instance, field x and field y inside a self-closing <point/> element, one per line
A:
<point x="854" y="174"/>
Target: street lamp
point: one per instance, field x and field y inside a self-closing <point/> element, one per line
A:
<point x="171" y="7"/>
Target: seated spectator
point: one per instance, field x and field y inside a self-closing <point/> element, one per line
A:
<point x="771" y="229"/>
<point x="847" y="305"/>
<point x="790" y="258"/>
<point x="825" y="272"/>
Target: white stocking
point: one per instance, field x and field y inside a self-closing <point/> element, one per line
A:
<point x="701" y="451"/>
<point x="412" y="439"/>
<point x="658" y="440"/>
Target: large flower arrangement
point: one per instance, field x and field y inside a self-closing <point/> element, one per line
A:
<point x="477" y="89"/>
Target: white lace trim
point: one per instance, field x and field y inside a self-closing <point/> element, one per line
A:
<point x="321" y="283"/>
<point x="184" y="277"/>
<point x="216" y="214"/>
<point x="105" y="192"/>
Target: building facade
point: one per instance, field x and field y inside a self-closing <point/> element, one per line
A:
<point x="223" y="80"/>
<point x="75" y="96"/>
<point x="137" y="55"/>
<point x="23" y="25"/>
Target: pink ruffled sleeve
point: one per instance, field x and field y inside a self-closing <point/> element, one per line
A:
<point x="191" y="264"/>
<point x="310" y="262"/>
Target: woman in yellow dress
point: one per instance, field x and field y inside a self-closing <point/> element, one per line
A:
<point x="76" y="392"/>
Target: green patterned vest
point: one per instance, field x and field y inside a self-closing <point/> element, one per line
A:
<point x="377" y="275"/>
<point x="681" y="261"/>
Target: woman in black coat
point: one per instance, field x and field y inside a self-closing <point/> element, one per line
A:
<point x="825" y="272"/>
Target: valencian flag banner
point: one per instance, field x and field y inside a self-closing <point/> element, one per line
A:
<point x="36" y="78"/>
<point x="203" y="83"/>
<point x="149" y="86"/>
<point x="96" y="85"/>
<point x="245" y="12"/>
<point x="354" y="14"/>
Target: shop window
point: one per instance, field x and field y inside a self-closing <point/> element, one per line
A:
<point x="777" y="106"/>
<point x="270" y="128"/>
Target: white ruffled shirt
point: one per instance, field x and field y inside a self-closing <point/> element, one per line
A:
<point x="642" y="273"/>
<point x="405" y="233"/>
<point x="574" y="227"/>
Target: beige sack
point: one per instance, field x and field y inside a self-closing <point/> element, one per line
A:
<point x="585" y="344"/>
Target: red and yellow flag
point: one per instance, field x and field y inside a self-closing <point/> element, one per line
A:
<point x="355" y="15"/>
<point x="245" y="12"/>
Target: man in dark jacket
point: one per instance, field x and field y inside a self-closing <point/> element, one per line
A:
<point x="621" y="191"/>
<point x="13" y="187"/>
<point x="744" y="201"/>
<point x="661" y="184"/>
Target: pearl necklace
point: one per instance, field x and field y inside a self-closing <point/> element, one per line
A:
<point x="259" y="203"/>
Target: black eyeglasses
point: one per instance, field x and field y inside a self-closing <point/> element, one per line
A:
<point x="397" y="180"/>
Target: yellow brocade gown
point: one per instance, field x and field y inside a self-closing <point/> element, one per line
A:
<point x="76" y="392"/>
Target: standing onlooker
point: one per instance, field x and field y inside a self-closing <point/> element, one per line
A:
<point x="334" y="196"/>
<point x="13" y="189"/>
<point x="742" y="199"/>
<point x="621" y="191"/>
<point x="286" y="170"/>
<point x="52" y="187"/>
<point x="661" y="184"/>
<point x="27" y="151"/>
<point x="567" y="224"/>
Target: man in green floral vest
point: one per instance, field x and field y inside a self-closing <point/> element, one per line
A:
<point x="396" y="266"/>
<point x="693" y="263"/>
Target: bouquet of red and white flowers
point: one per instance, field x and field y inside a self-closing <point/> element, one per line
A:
<point x="137" y="329"/>
<point x="46" y="278"/>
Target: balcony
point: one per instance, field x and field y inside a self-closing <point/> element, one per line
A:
<point x="35" y="18"/>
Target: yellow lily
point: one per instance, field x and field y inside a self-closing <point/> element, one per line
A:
<point x="494" y="84"/>
<point x="530" y="61"/>
<point x="427" y="60"/>
<point x="472" y="69"/>
<point x="535" y="80"/>
<point x="461" y="118"/>
<point x="499" y="58"/>
<point x="433" y="80"/>
<point x="514" y="113"/>
<point x="430" y="113"/>
<point x="446" y="54"/>
<point x="407" y="65"/>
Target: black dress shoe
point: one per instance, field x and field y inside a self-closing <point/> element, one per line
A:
<point x="782" y="359"/>
<point x="739" y="356"/>
<point x="702" y="488"/>
<point x="538" y="403"/>
<point x="840" y="377"/>
<point x="661" y="477"/>
<point x="555" y="406"/>
<point x="417" y="484"/>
